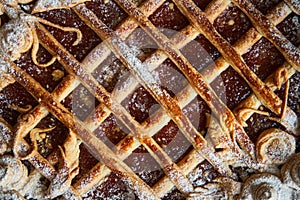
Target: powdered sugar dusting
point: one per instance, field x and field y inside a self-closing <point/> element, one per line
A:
<point x="5" y="78"/>
<point x="10" y="195"/>
<point x="140" y="193"/>
<point x="140" y="69"/>
<point x="112" y="188"/>
<point x="17" y="38"/>
<point x="44" y="5"/>
<point x="6" y="137"/>
<point x="3" y="66"/>
<point x="295" y="5"/>
<point x="14" y="174"/>
<point x="182" y="182"/>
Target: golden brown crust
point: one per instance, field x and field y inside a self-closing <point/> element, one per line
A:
<point x="268" y="30"/>
<point x="226" y="143"/>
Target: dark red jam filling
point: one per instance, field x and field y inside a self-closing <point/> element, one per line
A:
<point x="197" y="111"/>
<point x="264" y="6"/>
<point x="111" y="131"/>
<point x="141" y="44"/>
<point x="200" y="52"/>
<point x="231" y="88"/>
<point x="145" y="166"/>
<point x="263" y="58"/>
<point x="86" y="163"/>
<point x="114" y="187"/>
<point x="48" y="77"/>
<point x="52" y="138"/>
<point x="294" y="93"/>
<point x="110" y="72"/>
<point x="80" y="102"/>
<point x="108" y="12"/>
<point x="173" y="141"/>
<point x="14" y="95"/>
<point x="4" y="19"/>
<point x="232" y="23"/>
<point x="68" y="18"/>
<point x="140" y="104"/>
<point x="257" y="123"/>
<point x="170" y="78"/>
<point x="202" y="3"/>
<point x="290" y="28"/>
<point x="169" y="18"/>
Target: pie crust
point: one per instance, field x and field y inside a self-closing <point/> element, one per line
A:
<point x="149" y="99"/>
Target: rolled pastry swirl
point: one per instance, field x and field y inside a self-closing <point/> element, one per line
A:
<point x="262" y="186"/>
<point x="274" y="146"/>
<point x="291" y="172"/>
<point x="13" y="173"/>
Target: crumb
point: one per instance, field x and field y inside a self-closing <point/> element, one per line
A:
<point x="231" y="22"/>
<point x="57" y="74"/>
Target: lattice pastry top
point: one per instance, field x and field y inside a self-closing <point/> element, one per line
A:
<point x="149" y="99"/>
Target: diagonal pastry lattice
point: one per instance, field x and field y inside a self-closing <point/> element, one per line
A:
<point x="37" y="43"/>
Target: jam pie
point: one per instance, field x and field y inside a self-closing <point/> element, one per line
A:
<point x="149" y="99"/>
